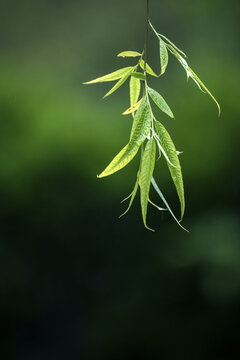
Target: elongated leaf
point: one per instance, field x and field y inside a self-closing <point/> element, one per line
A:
<point x="129" y="54"/>
<point x="166" y="203"/>
<point x="138" y="75"/>
<point x="134" y="89"/>
<point x="142" y="124"/>
<point x="146" y="172"/>
<point x="163" y="56"/>
<point x="173" y="45"/>
<point x="175" y="171"/>
<point x="112" y="76"/>
<point x="118" y="84"/>
<point x="133" y="194"/>
<point x="201" y="84"/>
<point x="160" y="102"/>
<point x="149" y="70"/>
<point x="132" y="109"/>
<point x="120" y="160"/>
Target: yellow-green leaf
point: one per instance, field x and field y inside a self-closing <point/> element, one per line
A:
<point x="132" y="196"/>
<point x="146" y="172"/>
<point x="119" y="83"/>
<point x="149" y="70"/>
<point x="163" y="56"/>
<point x="134" y="89"/>
<point x="133" y="108"/>
<point x="129" y="54"/>
<point x="160" y="102"/>
<point x="142" y="124"/>
<point x="112" y="76"/>
<point x="175" y="171"/>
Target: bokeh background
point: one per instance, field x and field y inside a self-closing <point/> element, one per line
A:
<point x="77" y="282"/>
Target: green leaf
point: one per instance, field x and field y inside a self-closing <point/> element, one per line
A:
<point x="138" y="75"/>
<point x="173" y="45"/>
<point x="146" y="172"/>
<point x="175" y="171"/>
<point x="166" y="203"/>
<point x="129" y="54"/>
<point x="163" y="56"/>
<point x="118" y="84"/>
<point x="132" y="195"/>
<point x="141" y="123"/>
<point x="160" y="102"/>
<point x="148" y="68"/>
<point x="134" y="89"/>
<point x="112" y="76"/>
<point x="201" y="84"/>
<point x="140" y="130"/>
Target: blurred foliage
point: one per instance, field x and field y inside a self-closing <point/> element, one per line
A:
<point x="76" y="281"/>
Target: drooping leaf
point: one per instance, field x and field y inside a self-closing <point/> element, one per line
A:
<point x="129" y="54"/>
<point x="138" y="75"/>
<point x="118" y="84"/>
<point x="201" y="84"/>
<point x="170" y="42"/>
<point x="175" y="171"/>
<point x="163" y="56"/>
<point x="141" y="123"/>
<point x="140" y="130"/>
<point x="149" y="70"/>
<point x="118" y="74"/>
<point x="132" y="195"/>
<point x="146" y="172"/>
<point x="134" y="89"/>
<point x="160" y="102"/>
<point x="132" y="109"/>
<point x="166" y="203"/>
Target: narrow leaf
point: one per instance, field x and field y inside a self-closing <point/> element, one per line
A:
<point x="132" y="108"/>
<point x="160" y="102"/>
<point x="140" y="130"/>
<point x="163" y="56"/>
<point x="201" y="84"/>
<point x="148" y="68"/>
<point x="138" y="75"/>
<point x="113" y="76"/>
<point x="141" y="123"/>
<point x="175" y="171"/>
<point x="146" y="172"/>
<point x="134" y="89"/>
<point x="129" y="54"/>
<point x="173" y="45"/>
<point x="133" y="194"/>
<point x="118" y="84"/>
<point x="166" y="203"/>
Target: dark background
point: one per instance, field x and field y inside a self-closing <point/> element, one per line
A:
<point x="76" y="282"/>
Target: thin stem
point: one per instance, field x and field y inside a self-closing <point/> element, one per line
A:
<point x="146" y="37"/>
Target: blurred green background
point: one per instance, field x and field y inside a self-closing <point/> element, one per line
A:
<point x="76" y="282"/>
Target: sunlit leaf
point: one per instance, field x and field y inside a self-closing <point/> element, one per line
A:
<point x="175" y="171"/>
<point x="112" y="76"/>
<point x="118" y="84"/>
<point x="166" y="203"/>
<point x="140" y="130"/>
<point x="141" y="123"/>
<point x="134" y="89"/>
<point x="149" y="70"/>
<point x="132" y="109"/>
<point x="146" y="172"/>
<point x="160" y="102"/>
<point x="129" y="54"/>
<point x="163" y="56"/>
<point x="170" y="42"/>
